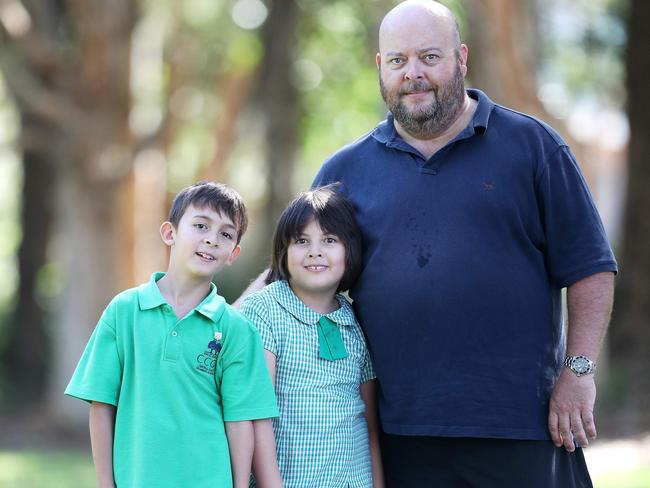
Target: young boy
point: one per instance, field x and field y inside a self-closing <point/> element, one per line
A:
<point x="170" y="362"/>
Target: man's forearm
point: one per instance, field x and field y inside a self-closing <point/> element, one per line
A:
<point x="589" y="304"/>
<point x="240" y="443"/>
<point x="589" y="307"/>
<point x="102" y="428"/>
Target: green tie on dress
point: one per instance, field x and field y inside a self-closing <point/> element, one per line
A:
<point x="329" y="340"/>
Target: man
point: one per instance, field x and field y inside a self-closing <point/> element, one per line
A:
<point x="474" y="217"/>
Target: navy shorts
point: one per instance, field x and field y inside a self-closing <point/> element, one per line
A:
<point x="449" y="462"/>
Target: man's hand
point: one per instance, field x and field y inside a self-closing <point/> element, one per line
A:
<point x="571" y="410"/>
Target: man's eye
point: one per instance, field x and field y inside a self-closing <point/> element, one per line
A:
<point x="396" y="61"/>
<point x="431" y="57"/>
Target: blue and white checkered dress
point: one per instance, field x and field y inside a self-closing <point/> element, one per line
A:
<point x="321" y="434"/>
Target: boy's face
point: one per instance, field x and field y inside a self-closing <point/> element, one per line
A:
<point x="204" y="242"/>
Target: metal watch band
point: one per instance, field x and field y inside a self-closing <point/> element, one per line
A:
<point x="580" y="365"/>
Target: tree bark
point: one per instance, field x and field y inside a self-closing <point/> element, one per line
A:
<point x="630" y="331"/>
<point x="68" y="71"/>
<point x="280" y="102"/>
<point x="27" y="350"/>
<point x="503" y="53"/>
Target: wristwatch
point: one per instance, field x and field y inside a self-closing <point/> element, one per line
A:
<point x="580" y="365"/>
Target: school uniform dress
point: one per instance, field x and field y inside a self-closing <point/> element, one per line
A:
<point x="321" y="433"/>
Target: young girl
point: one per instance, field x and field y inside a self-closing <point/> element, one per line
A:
<point x="327" y="434"/>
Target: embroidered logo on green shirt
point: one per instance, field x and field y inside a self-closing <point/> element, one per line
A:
<point x="207" y="360"/>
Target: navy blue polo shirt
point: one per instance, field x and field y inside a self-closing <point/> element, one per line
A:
<point x="464" y="258"/>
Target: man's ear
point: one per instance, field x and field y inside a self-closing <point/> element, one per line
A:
<point x="167" y="233"/>
<point x="463" y="52"/>
<point x="378" y="60"/>
<point x="233" y="255"/>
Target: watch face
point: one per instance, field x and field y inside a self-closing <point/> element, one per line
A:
<point x="580" y="365"/>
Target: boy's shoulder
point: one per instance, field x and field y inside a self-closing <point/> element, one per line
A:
<point x="125" y="301"/>
<point x="235" y="323"/>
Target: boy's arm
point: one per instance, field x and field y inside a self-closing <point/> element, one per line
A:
<point x="265" y="459"/>
<point x="102" y="428"/>
<point x="240" y="443"/>
<point x="257" y="284"/>
<point x="369" y="397"/>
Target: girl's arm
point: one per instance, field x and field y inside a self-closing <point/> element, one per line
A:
<point x="240" y="443"/>
<point x="265" y="459"/>
<point x="102" y="428"/>
<point x="369" y="396"/>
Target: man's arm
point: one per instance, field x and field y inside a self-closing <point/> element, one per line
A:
<point x="240" y="443"/>
<point x="102" y="428"/>
<point x="254" y="287"/>
<point x="589" y="306"/>
<point x="369" y="396"/>
<point x="265" y="459"/>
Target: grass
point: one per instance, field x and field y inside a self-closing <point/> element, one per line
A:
<point x="46" y="468"/>
<point x="635" y="478"/>
<point x="74" y="469"/>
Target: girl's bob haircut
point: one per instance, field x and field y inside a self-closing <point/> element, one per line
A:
<point x="334" y="214"/>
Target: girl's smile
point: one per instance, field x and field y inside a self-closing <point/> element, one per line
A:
<point x="316" y="263"/>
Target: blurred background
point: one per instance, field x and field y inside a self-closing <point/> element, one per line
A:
<point x="109" y="107"/>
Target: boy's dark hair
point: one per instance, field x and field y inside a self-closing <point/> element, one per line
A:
<point x="335" y="215"/>
<point x="217" y="196"/>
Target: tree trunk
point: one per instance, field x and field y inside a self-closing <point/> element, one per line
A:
<point x="280" y="101"/>
<point x="27" y="350"/>
<point x="68" y="69"/>
<point x="89" y="251"/>
<point x="630" y="332"/>
<point x="503" y="53"/>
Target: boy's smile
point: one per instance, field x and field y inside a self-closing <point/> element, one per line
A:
<point x="204" y="242"/>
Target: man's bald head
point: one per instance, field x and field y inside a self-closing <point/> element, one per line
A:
<point x="437" y="15"/>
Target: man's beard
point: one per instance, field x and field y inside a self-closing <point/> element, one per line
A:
<point x="433" y="119"/>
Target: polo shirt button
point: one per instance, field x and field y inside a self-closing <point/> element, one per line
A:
<point x="174" y="333"/>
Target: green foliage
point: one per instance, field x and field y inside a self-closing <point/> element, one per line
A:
<point x="582" y="48"/>
<point x="338" y="38"/>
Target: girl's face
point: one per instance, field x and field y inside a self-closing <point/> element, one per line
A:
<point x="316" y="262"/>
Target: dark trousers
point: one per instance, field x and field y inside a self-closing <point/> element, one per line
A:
<point x="448" y="462"/>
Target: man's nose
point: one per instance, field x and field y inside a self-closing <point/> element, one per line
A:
<point x="413" y="72"/>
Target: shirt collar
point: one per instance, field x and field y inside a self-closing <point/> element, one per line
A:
<point x="149" y="297"/>
<point x="386" y="133"/>
<point x="287" y="299"/>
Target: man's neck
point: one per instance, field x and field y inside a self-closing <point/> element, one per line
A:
<point x="430" y="144"/>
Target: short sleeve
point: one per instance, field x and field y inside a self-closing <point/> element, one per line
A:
<point x="245" y="385"/>
<point x="98" y="375"/>
<point x="258" y="314"/>
<point x="367" y="371"/>
<point x="576" y="243"/>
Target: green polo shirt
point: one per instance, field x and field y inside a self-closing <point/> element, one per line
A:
<point x="174" y="383"/>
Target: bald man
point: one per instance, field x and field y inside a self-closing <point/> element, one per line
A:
<point x="474" y="218"/>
